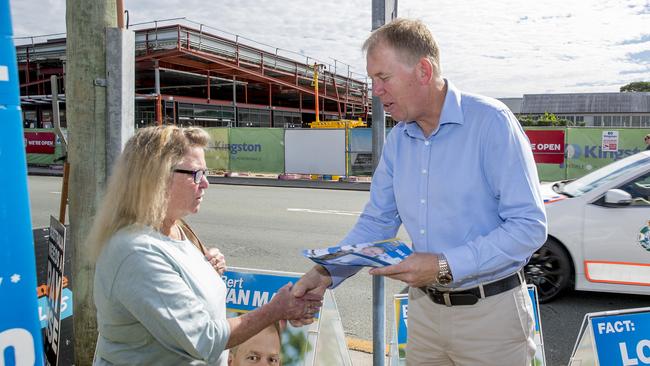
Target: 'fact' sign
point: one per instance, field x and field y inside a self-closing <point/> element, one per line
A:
<point x="622" y="339"/>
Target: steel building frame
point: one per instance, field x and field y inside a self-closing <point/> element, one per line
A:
<point x="259" y="79"/>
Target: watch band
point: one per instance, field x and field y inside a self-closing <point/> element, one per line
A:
<point x="444" y="272"/>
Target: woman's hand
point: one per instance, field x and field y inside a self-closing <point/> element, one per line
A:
<point x="217" y="260"/>
<point x="290" y="307"/>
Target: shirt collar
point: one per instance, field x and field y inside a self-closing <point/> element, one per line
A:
<point x="452" y="112"/>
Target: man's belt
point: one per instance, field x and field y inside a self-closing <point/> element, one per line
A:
<point x="472" y="295"/>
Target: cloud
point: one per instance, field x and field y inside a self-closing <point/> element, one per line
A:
<point x="551" y="17"/>
<point x="501" y="48"/>
<point x="644" y="9"/>
<point x="598" y="83"/>
<point x="645" y="70"/>
<point x="495" y="57"/>
<point x="642" y="39"/>
<point x="642" y="57"/>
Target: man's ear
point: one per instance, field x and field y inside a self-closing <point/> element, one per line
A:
<point x="425" y="70"/>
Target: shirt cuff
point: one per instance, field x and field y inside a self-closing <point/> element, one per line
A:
<point x="221" y="335"/>
<point x="339" y="273"/>
<point x="461" y="268"/>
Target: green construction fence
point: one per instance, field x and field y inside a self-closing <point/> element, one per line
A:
<point x="261" y="150"/>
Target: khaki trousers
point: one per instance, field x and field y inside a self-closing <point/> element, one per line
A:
<point x="497" y="330"/>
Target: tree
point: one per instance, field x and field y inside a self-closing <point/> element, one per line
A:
<point x="637" y="86"/>
<point x="548" y="119"/>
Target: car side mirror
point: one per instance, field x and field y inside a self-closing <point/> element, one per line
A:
<point x="618" y="197"/>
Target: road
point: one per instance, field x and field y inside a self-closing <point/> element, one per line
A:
<point x="266" y="228"/>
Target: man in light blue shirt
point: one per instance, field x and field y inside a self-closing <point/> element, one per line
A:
<point x="459" y="173"/>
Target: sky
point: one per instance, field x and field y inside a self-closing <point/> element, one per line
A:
<point x="503" y="48"/>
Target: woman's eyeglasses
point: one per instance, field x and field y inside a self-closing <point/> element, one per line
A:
<point x="196" y="174"/>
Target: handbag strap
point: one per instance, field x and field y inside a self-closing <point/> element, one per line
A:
<point x="191" y="235"/>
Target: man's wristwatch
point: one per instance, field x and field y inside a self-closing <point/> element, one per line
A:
<point x="444" y="273"/>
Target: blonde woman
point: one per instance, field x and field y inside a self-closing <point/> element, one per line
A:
<point x="159" y="299"/>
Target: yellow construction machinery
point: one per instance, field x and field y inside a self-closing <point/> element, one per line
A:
<point x="341" y="123"/>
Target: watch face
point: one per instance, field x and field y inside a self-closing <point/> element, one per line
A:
<point x="444" y="279"/>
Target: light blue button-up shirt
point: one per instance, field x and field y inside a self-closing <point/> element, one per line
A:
<point x="470" y="191"/>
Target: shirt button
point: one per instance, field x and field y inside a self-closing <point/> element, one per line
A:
<point x="427" y="143"/>
<point x="424" y="171"/>
<point x="422" y="231"/>
<point x="423" y="201"/>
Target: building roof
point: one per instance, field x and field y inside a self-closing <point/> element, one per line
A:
<point x="586" y="103"/>
<point x="513" y="103"/>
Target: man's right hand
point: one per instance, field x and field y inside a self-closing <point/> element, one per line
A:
<point x="314" y="282"/>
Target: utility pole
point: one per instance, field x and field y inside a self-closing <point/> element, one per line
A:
<point x="382" y="11"/>
<point x="86" y="23"/>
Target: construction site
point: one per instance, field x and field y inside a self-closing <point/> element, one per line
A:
<point x="191" y="74"/>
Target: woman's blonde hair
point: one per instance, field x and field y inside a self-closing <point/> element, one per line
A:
<point x="137" y="189"/>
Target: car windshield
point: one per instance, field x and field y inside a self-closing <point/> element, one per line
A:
<point x="605" y="174"/>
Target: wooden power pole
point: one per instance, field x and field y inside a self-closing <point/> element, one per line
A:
<point x="86" y="23"/>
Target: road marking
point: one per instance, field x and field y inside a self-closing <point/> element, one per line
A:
<point x="55" y="192"/>
<point x="330" y="212"/>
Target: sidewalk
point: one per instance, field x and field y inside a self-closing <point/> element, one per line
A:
<point x="360" y="358"/>
<point x="360" y="351"/>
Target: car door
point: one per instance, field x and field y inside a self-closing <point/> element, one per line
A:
<point x="616" y="243"/>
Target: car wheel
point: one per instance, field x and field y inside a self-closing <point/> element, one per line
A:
<point x="549" y="269"/>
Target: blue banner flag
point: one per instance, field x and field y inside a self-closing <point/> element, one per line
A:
<point x="20" y="331"/>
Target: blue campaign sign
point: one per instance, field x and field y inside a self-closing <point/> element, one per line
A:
<point x="533" y="298"/>
<point x="20" y="334"/>
<point x="66" y="307"/>
<point x="247" y="291"/>
<point x="622" y="339"/>
<point x="401" y="319"/>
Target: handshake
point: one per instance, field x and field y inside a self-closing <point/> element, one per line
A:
<point x="297" y="303"/>
<point x="300" y="303"/>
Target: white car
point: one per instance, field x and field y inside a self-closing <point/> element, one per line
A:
<point x="598" y="232"/>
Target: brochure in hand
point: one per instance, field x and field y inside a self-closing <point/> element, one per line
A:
<point x="375" y="254"/>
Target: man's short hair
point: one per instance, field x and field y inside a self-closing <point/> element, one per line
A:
<point x="647" y="136"/>
<point x="277" y="329"/>
<point x="411" y="38"/>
